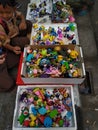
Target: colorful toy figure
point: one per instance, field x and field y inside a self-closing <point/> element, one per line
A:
<point x="48" y="122"/>
<point x="59" y="32"/>
<point x="26" y="122"/>
<point x="73" y="54"/>
<point x="53" y="71"/>
<point x="30" y="55"/>
<point x="24" y="115"/>
<point x="35" y="26"/>
<point x="32" y="120"/>
<point x="39" y="93"/>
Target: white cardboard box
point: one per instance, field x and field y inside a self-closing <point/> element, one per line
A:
<point x="55" y="26"/>
<point x="37" y="80"/>
<point x="17" y="126"/>
<point x="30" y="15"/>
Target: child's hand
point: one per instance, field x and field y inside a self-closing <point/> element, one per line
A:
<point x="2" y="58"/>
<point x="17" y="50"/>
<point x="22" y="25"/>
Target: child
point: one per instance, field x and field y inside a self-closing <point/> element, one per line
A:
<point x="14" y="31"/>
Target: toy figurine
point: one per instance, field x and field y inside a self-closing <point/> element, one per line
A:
<point x="53" y="113"/>
<point x="39" y="93"/>
<point x="42" y="111"/>
<point x="71" y="19"/>
<point x="53" y="72"/>
<point x="47" y="122"/>
<point x="30" y="55"/>
<point x="35" y="26"/>
<point x="72" y="26"/>
<point x="43" y="52"/>
<point x="26" y="122"/>
<point x="73" y="54"/>
<point x="24" y="115"/>
<point x="32" y="120"/>
<point x="60" y="34"/>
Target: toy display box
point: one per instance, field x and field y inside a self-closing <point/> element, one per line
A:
<point x="61" y="13"/>
<point x="53" y="64"/>
<point x="44" y="107"/>
<point x="51" y="34"/>
<point x="39" y="10"/>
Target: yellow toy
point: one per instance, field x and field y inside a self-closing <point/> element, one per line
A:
<point x="60" y="58"/>
<point x="57" y="48"/>
<point x="76" y="73"/>
<point x="63" y="69"/>
<point x="73" y="54"/>
<point x="35" y="26"/>
<point x="32" y="118"/>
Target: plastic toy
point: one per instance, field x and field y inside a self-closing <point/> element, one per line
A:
<point x="39" y="93"/>
<point x="42" y="111"/>
<point x="26" y="122"/>
<point x="73" y="54"/>
<point x="24" y="115"/>
<point x="61" y="122"/>
<point x="35" y="26"/>
<point x="32" y="120"/>
<point x="47" y="122"/>
<point x="53" y="113"/>
<point x="72" y="26"/>
<point x="53" y="71"/>
<point x="59" y="32"/>
<point x="33" y="110"/>
<point x="44" y="52"/>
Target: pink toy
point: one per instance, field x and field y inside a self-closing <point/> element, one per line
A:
<point x="39" y="93"/>
<point x="60" y="35"/>
<point x="71" y="19"/>
<point x="54" y="72"/>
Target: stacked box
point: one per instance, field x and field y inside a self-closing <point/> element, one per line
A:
<point x="61" y="13"/>
<point x="39" y="10"/>
<point x="53" y="64"/>
<point x="54" y="34"/>
<point x="58" y="110"/>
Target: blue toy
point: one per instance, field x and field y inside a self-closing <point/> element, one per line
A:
<point x="29" y="57"/>
<point x="47" y="122"/>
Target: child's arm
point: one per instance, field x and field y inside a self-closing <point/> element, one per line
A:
<point x="2" y="59"/>
<point x="15" y="49"/>
<point x="22" y="24"/>
<point x="5" y="41"/>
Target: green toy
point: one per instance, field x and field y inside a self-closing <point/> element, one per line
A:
<point x="53" y="113"/>
<point x="24" y="115"/>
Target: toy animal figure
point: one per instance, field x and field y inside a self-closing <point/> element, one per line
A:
<point x="30" y="55"/>
<point x="60" y="34"/>
<point x="24" y="115"/>
<point x="26" y="122"/>
<point x="32" y="120"/>
<point x="73" y="54"/>
<point x="53" y="72"/>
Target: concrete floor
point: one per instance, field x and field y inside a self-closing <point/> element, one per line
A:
<point x="88" y="36"/>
